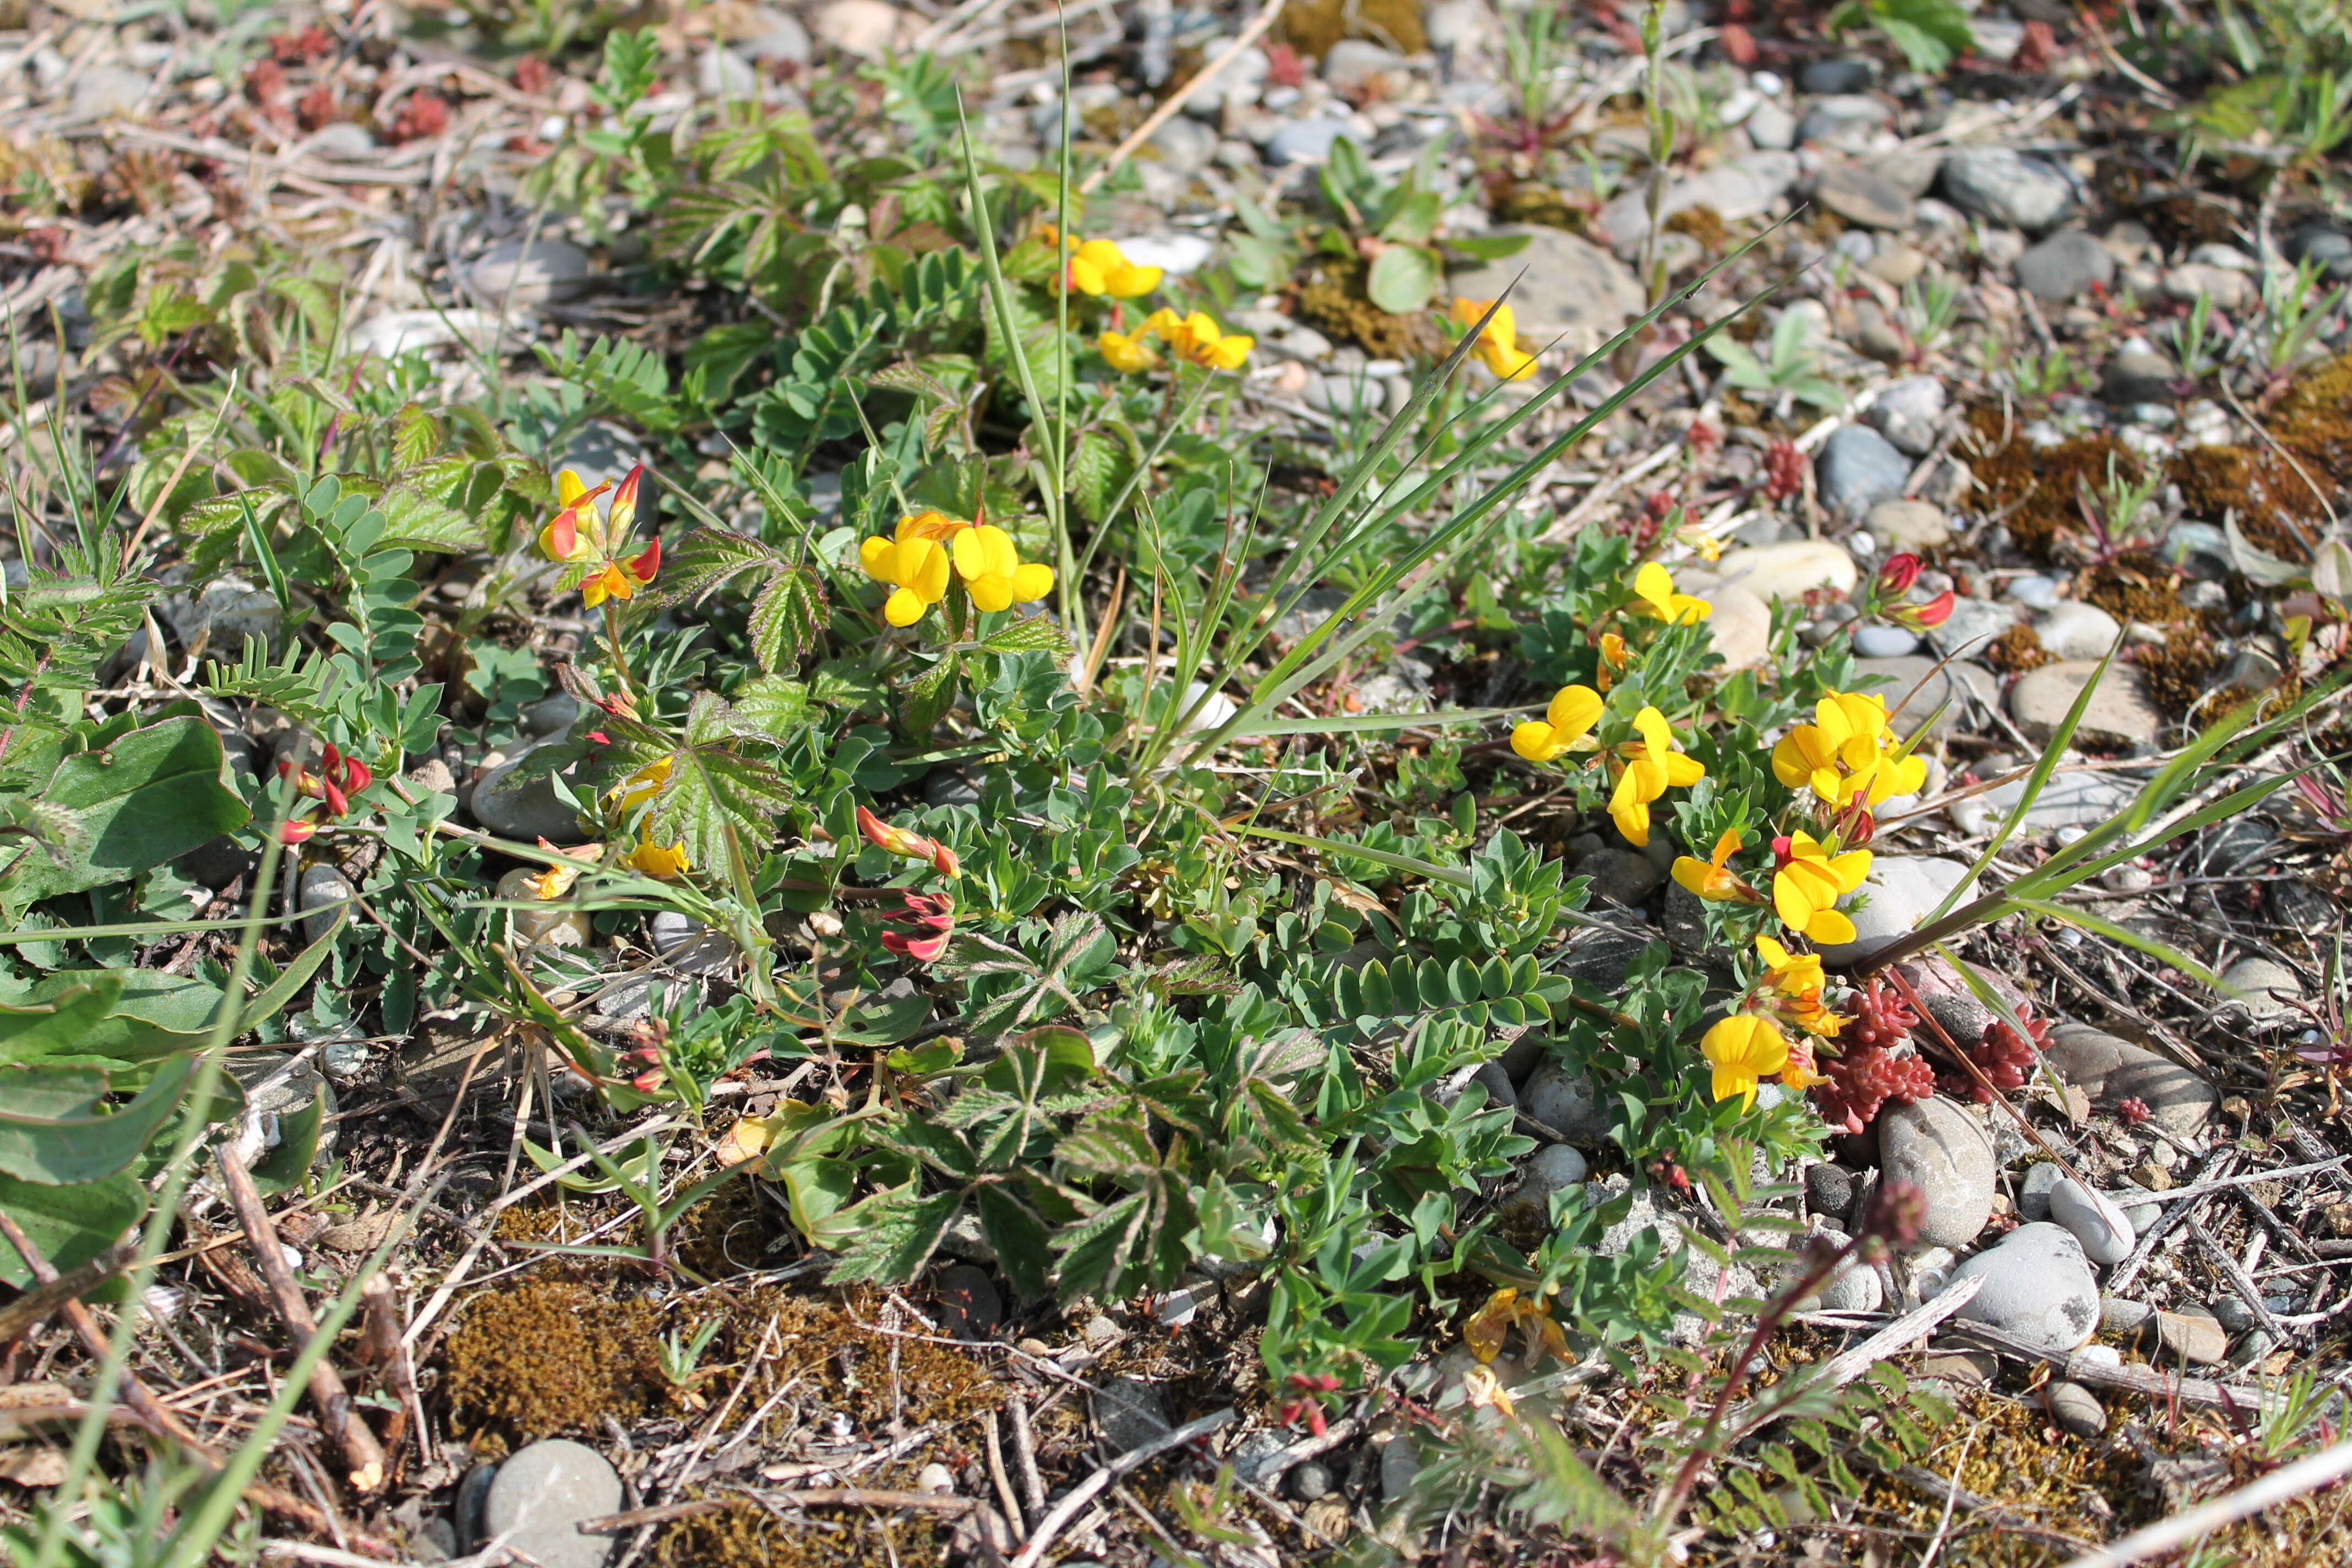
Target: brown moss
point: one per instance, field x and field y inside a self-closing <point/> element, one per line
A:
<point x="1334" y="299"/>
<point x="548" y="1356"/>
<point x="2018" y="650"/>
<point x="1530" y="201"/>
<point x="2138" y="585"/>
<point x="2037" y="489"/>
<point x="745" y="1535"/>
<point x="1702" y="224"/>
<point x="1312" y="26"/>
<point x="2175" y="673"/>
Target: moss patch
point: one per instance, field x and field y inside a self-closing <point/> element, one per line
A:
<point x="2175" y="674"/>
<point x="1334" y="299"/>
<point x="550" y="1356"/>
<point x="745" y="1535"/>
<point x="2037" y="488"/>
<point x="1312" y="26"/>
<point x="2018" y="650"/>
<point x="1530" y="201"/>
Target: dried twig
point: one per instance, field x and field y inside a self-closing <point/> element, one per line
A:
<point x="2323" y="1468"/>
<point x="1053" y="1523"/>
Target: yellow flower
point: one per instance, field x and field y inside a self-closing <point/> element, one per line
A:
<point x="915" y="562"/>
<point x="1798" y="1074"/>
<point x="642" y="785"/>
<point x="1614" y="660"/>
<point x="1651" y="766"/>
<point x="1564" y="728"/>
<point x="655" y="860"/>
<point x="1654" y="586"/>
<point x="1713" y="878"/>
<point x="1791" y="973"/>
<point x="1102" y="268"/>
<point x="1498" y="342"/>
<point x="1743" y="1049"/>
<point x="577" y="533"/>
<point x="1127" y="352"/>
<point x="1811" y="880"/>
<point x="1848" y="751"/>
<point x="992" y="571"/>
<point x="1196" y="337"/>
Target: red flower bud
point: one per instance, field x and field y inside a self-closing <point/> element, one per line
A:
<point x="643" y="567"/>
<point x="1899" y="572"/>
<point x="1935" y="612"/>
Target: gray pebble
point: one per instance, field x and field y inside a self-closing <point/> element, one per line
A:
<point x="1312" y="1481"/>
<point x="541" y="1493"/>
<point x="2077" y="1410"/>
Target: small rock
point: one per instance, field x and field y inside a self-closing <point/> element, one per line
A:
<point x="524" y="808"/>
<point x="2263" y="990"/>
<point x="723" y="73"/>
<point x="327" y="891"/>
<point x="2119" y="714"/>
<point x="1622" y="876"/>
<point x="2069" y="799"/>
<point x="1770" y="126"/>
<point x="1842" y="119"/>
<point x="1903" y="890"/>
<point x="688" y="946"/>
<point x="1896" y="264"/>
<point x="1829" y="1191"/>
<point x="2066" y="264"/>
<point x="1917" y="689"/>
<point x="2194" y="1336"/>
<point x="1354" y="63"/>
<point x="2111" y="1070"/>
<point x="1859" y="194"/>
<point x="970" y="1299"/>
<point x="2122" y="1314"/>
<point x="1304" y="142"/>
<point x="1130" y="1411"/>
<point x="1973" y="624"/>
<point x="866" y="29"/>
<point x="2139" y="375"/>
<point x="2230" y="290"/>
<point x="1572" y="289"/>
<point x="545" y="270"/>
<point x="2071" y="629"/>
<point x="1553" y="1168"/>
<point x="1565" y="1101"/>
<point x="1939" y="1147"/>
<point x="552" y="925"/>
<point x="2037" y="1285"/>
<point x="1185" y="145"/>
<point x="1742" y="188"/>
<point x="1177" y="255"/>
<point x="101" y="91"/>
<point x="2076" y="1410"/>
<point x="776" y="35"/>
<point x="1250" y="1457"/>
<point x="1835" y="76"/>
<point x="1857" y="468"/>
<point x="1312" y="1481"/>
<point x="1400" y="1463"/>
<point x="1788" y="571"/>
<point x="1960" y="1369"/>
<point x="1908" y="525"/>
<point x="1875" y="641"/>
<point x="538" y="1497"/>
<point x="935" y="1479"/>
<point x="1741" y="629"/>
<point x="550" y="715"/>
<point x="342" y="142"/>
<point x="2033" y="1192"/>
<point x="2007" y="187"/>
<point x="2105" y="1233"/>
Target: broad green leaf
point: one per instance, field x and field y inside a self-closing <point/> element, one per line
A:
<point x="82" y="1025"/>
<point x="774" y="704"/>
<point x="929" y="697"/>
<point x="1403" y="279"/>
<point x="48" y="1138"/>
<point x="786" y="619"/>
<point x="893" y="1234"/>
<point x="1029" y="634"/>
<point x="70" y="1225"/>
<point x="151" y="796"/>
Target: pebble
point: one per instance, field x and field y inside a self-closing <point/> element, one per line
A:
<point x="1829" y="1191"/>
<point x="1857" y="468"/>
<point x="2194" y="1336"/>
<point x="776" y="35"/>
<point x="2071" y="629"/>
<point x="1743" y="188"/>
<point x="101" y="91"/>
<point x="2121" y="1315"/>
<point x="550" y="715"/>
<point x="2230" y="290"/>
<point x="1183" y="144"/>
<point x="547" y="269"/>
<point x="866" y="29"/>
<point x="2111" y="1070"/>
<point x="523" y="808"/>
<point x="1312" y="1481"/>
<point x="1573" y="289"/>
<point x="319" y="888"/>
<point x="1740" y="628"/>
<point x="1770" y="126"/>
<point x="1875" y="641"/>
<point x="537" y="1499"/>
<point x="1917" y="688"/>
<point x="1860" y="193"/>
<point x="1564" y="1100"/>
<point x="1902" y="891"/>
<point x="1789" y="571"/>
<point x="1896" y="264"/>
<point x="2260" y="985"/>
<point x="1130" y="1411"/>
<point x="2118" y="715"/>
<point x="1177" y="255"/>
<point x="1940" y="1146"/>
<point x="1845" y="119"/>
<point x="1622" y="876"/>
<point x="2076" y="1410"/>
<point x="2007" y="187"/>
<point x="2105" y="1233"/>
<point x="2070" y="798"/>
<point x="552" y="927"/>
<point x="688" y="946"/>
<point x="723" y="73"/>
<point x="2139" y="375"/>
<point x="2033" y="1190"/>
<point x="2037" y="1285"/>
<point x="1839" y="76"/>
<point x="342" y="142"/>
<point x="1972" y="624"/>
<point x="1553" y="1168"/>
<point x="2068" y="263"/>
<point x="1909" y="525"/>
<point x="1304" y="142"/>
<point x="1354" y="63"/>
<point x="1400" y="1463"/>
<point x="1960" y="1369"/>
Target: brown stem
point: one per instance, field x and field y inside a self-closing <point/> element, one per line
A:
<point x="362" y="1456"/>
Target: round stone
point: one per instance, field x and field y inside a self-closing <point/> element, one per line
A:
<point x="2037" y="1285"/>
<point x="2103" y="1228"/>
<point x="538" y="1497"/>
<point x="2077" y="1410"/>
<point x="1938" y="1147"/>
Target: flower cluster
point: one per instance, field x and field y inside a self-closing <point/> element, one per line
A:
<point x="1849" y="754"/>
<point x="931" y="550"/>
<point x="339" y="778"/>
<point x="598" y="544"/>
<point x="913" y="846"/>
<point x="1194" y="338"/>
<point x="1498" y="347"/>
<point x="931" y="919"/>
<point x="1643" y="768"/>
<point x="1889" y="594"/>
<point x="1099" y="267"/>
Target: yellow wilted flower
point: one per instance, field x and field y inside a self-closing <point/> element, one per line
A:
<point x="1811" y="880"/>
<point x="643" y="785"/>
<point x="1490" y="1326"/>
<point x="1498" y="342"/>
<point x="655" y="860"/>
<point x="1654" y="586"/>
<point x="1127" y="351"/>
<point x="1744" y="1050"/>
<point x="1102" y="268"/>
<point x="1197" y="338"/>
<point x="1565" y="726"/>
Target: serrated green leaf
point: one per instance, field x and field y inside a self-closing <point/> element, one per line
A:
<point x="786" y="619"/>
<point x="1030" y="634"/>
<point x="892" y="1235"/>
<point x="929" y="697"/>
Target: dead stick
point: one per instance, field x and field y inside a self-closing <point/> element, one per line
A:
<point x="1053" y="1523"/>
<point x="362" y="1455"/>
<point x="1025" y="1461"/>
<point x="157" y="1417"/>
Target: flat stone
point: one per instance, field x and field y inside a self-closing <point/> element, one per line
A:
<point x="1857" y="468"/>
<point x="2122" y="1314"/>
<point x="866" y="29"/>
<point x="546" y="270"/>
<point x="1184" y="144"/>
<point x="538" y="1497"/>
<point x="2076" y="1410"/>
<point x="1770" y="125"/>
<point x="2007" y="187"/>
<point x="1925" y="692"/>
<point x="550" y="925"/>
<point x="1130" y="1411"/>
<point x="1972" y="624"/>
<point x="1622" y="876"/>
<point x="2073" y="629"/>
<point x="2111" y="1070"/>
<point x="1790" y="571"/>
<point x="688" y="946"/>
<point x="1304" y="141"/>
<point x="1903" y="890"/>
<point x="2072" y="798"/>
<point x="1354" y="63"/>
<point x="969" y="1298"/>
<point x="1960" y="1369"/>
<point x="1908" y="525"/>
<point x="1877" y="641"/>
<point x="2139" y="375"/>
<point x="2101" y="1226"/>
<point x="1859" y="194"/>
<point x="101" y="91"/>
<point x="1744" y="188"/>
<point x="2068" y="263"/>
<point x="1566" y="1101"/>
<point x="1911" y="170"/>
<point x="1908" y="411"/>
<point x="2119" y="714"/>
<point x="1837" y="76"/>
<point x="2266" y="987"/>
<point x="775" y="35"/>
<point x="1573" y="289"/>
<point x="524" y="808"/>
<point x="2037" y="1285"/>
<point x="2230" y="290"/>
<point x="1939" y="1146"/>
<point x="2195" y="1337"/>
<point x="1740" y="628"/>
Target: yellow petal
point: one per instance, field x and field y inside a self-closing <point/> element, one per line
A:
<point x="569" y="488"/>
<point x="1536" y="741"/>
<point x="992" y="593"/>
<point x="1830" y="927"/>
<point x="1574" y="710"/>
<point x="1032" y="581"/>
<point x="880" y="559"/>
<point x="904" y="607"/>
